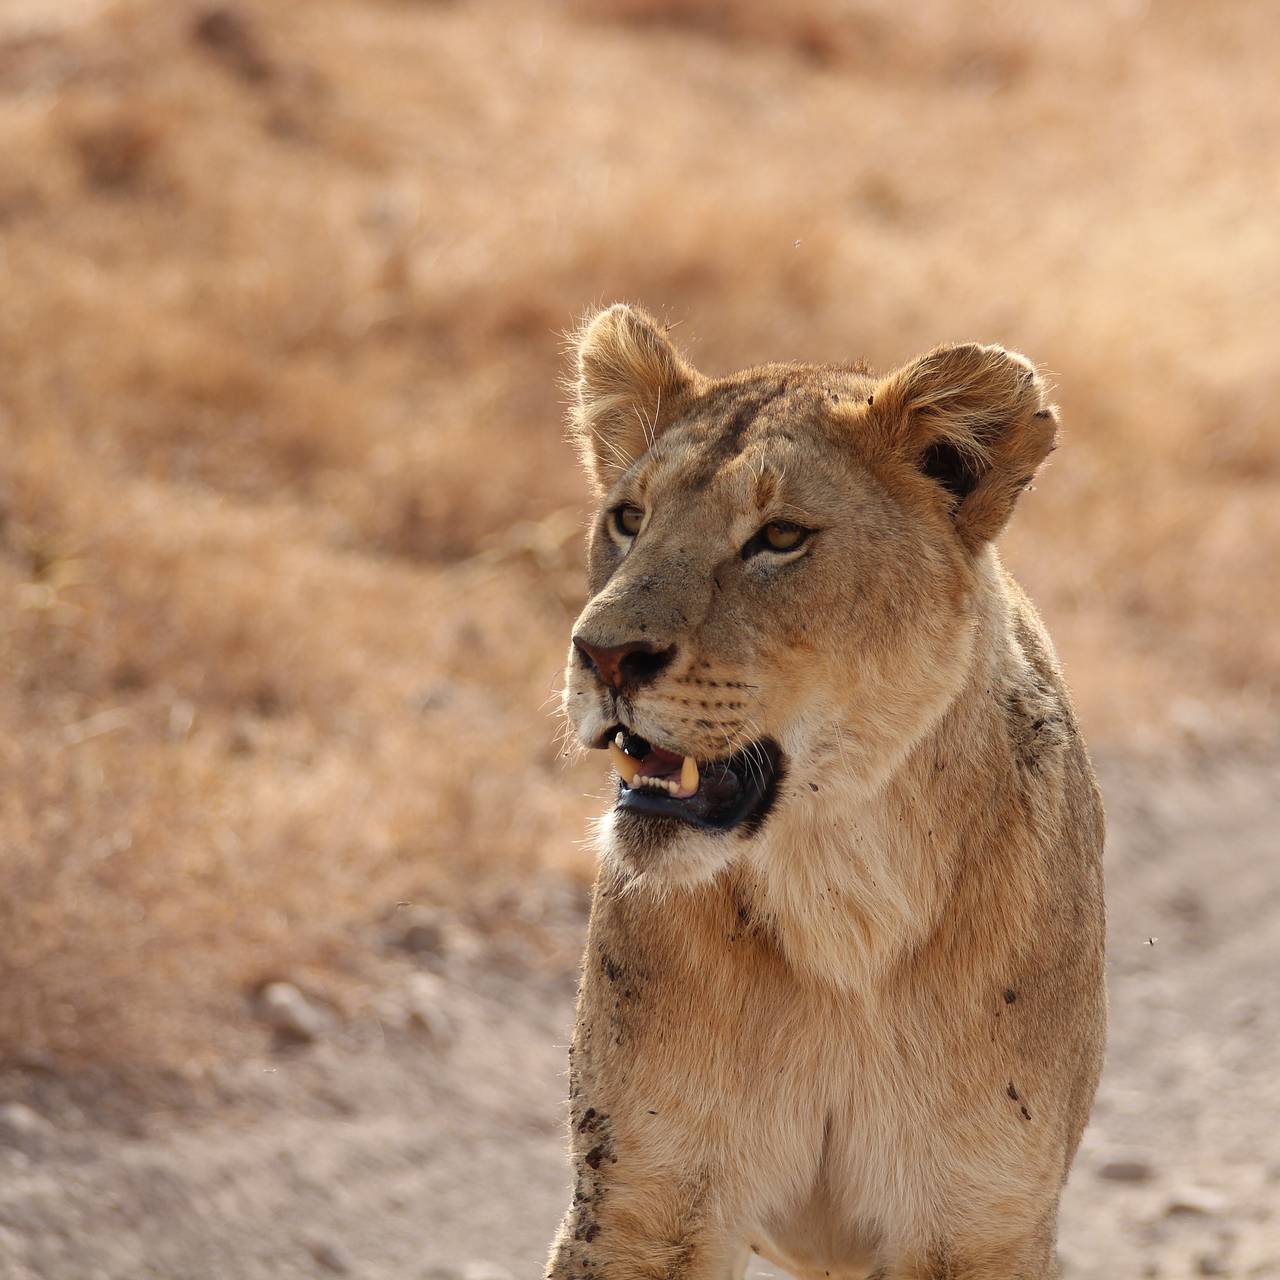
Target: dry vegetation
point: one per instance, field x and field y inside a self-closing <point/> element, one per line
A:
<point x="288" y="536"/>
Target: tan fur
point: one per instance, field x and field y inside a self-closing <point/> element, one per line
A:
<point x="862" y="1039"/>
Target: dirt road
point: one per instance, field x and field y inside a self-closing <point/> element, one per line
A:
<point x="382" y="1152"/>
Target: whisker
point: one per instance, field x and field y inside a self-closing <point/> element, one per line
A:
<point x="617" y="456"/>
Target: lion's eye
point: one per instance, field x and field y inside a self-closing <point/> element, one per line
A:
<point x="627" y="520"/>
<point x="778" y="536"/>
<point x="783" y="536"/>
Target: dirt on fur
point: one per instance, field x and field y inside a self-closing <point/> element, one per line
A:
<point x="426" y="1143"/>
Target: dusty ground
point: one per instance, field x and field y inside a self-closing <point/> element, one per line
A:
<point x="390" y="1153"/>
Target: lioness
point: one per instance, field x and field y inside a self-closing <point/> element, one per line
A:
<point x="843" y="997"/>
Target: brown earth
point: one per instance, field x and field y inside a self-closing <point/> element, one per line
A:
<point x="290" y="542"/>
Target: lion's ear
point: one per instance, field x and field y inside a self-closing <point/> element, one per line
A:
<point x="974" y="420"/>
<point x="629" y="379"/>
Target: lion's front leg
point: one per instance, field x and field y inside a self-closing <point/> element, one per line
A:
<point x="656" y="1235"/>
<point x="636" y="1215"/>
<point x="652" y="1130"/>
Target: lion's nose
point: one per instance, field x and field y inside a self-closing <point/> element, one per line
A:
<point x="624" y="666"/>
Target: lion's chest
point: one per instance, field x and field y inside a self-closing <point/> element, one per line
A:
<point x="874" y="1127"/>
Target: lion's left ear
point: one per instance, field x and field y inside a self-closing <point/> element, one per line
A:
<point x="975" y="421"/>
<point x="629" y="380"/>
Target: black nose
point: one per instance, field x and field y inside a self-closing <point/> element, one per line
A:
<point x="624" y="666"/>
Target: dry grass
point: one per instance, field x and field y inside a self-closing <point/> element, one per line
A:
<point x="289" y="535"/>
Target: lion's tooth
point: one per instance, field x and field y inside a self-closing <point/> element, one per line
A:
<point x="688" y="776"/>
<point x="617" y="737"/>
<point x="625" y="765"/>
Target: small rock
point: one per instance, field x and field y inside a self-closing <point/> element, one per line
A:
<point x="19" y="1125"/>
<point x="1132" y="1171"/>
<point x="1189" y="1202"/>
<point x="424" y="1003"/>
<point x="282" y="1006"/>
<point x="36" y="1060"/>
<point x="419" y="931"/>
<point x="1209" y="1264"/>
<point x="330" y="1257"/>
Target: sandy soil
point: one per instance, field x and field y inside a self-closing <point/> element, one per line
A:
<point x="389" y="1149"/>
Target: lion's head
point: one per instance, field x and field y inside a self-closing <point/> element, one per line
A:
<point x="786" y="575"/>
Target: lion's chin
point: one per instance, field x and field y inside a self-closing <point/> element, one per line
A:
<point x="659" y="852"/>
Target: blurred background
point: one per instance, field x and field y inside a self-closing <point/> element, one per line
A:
<point x="293" y="875"/>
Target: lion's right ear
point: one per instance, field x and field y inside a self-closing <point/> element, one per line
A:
<point x="629" y="379"/>
<point x="976" y="421"/>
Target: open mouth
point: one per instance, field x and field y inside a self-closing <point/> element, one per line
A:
<point x="719" y="794"/>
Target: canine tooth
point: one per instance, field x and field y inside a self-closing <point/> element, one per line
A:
<point x="617" y="737"/>
<point x="627" y="767"/>
<point x="688" y="776"/>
